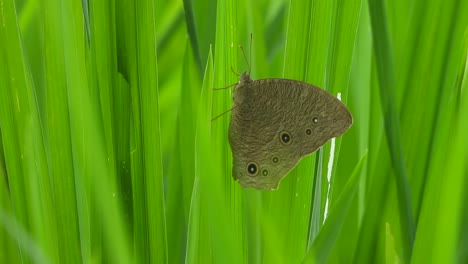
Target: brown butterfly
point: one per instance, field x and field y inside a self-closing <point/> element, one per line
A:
<point x="275" y="122"/>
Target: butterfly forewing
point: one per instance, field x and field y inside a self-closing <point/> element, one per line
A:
<point x="276" y="123"/>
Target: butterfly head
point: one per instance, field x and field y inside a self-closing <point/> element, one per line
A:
<point x="245" y="78"/>
<point x="239" y="92"/>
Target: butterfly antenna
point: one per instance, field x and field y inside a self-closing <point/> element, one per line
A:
<point x="245" y="57"/>
<point x="224" y="88"/>
<point x="232" y="69"/>
<point x="250" y="52"/>
<point x="223" y="113"/>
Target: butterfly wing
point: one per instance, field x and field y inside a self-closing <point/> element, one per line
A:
<point x="278" y="122"/>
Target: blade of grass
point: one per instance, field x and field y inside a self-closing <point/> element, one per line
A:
<point x="190" y="94"/>
<point x="205" y="15"/>
<point x="452" y="194"/>
<point x="226" y="210"/>
<point x="99" y="213"/>
<point x="319" y="38"/>
<point x="171" y="32"/>
<point x="8" y="242"/>
<point x="151" y="182"/>
<point x="385" y="69"/>
<point x="129" y="147"/>
<point x="198" y="243"/>
<point x="286" y="242"/>
<point x="103" y="54"/>
<point x="323" y="244"/>
<point x="30" y="248"/>
<point x="444" y="196"/>
<point x="355" y="141"/>
<point x="309" y="57"/>
<point x="126" y="30"/>
<point x="77" y="83"/>
<point x="179" y="189"/>
<point x="23" y="139"/>
<point x="343" y="34"/>
<point x="377" y="185"/>
<point x="192" y="31"/>
<point x="59" y="142"/>
<point x="428" y="81"/>
<point x="121" y="102"/>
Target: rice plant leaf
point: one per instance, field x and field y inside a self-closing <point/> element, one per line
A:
<point x="384" y="59"/>
<point x="179" y="189"/>
<point x="198" y="242"/>
<point x="444" y="195"/>
<point x="320" y="53"/>
<point x="22" y="136"/>
<point x="225" y="212"/>
<point x="151" y="209"/>
<point x="59" y="142"/>
<point x="30" y="249"/>
<point x="323" y="244"/>
<point x="192" y="30"/>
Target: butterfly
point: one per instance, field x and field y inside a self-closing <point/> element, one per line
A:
<point x="276" y="122"/>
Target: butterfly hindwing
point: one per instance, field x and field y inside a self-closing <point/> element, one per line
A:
<point x="276" y="123"/>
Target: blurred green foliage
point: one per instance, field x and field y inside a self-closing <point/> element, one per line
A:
<point x="108" y="153"/>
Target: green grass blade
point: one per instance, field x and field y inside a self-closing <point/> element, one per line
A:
<point x="189" y="100"/>
<point x="104" y="65"/>
<point x="204" y="12"/>
<point x="192" y="31"/>
<point x="77" y="84"/>
<point x="30" y="248"/>
<point x="343" y="32"/>
<point x="127" y="54"/>
<point x="444" y="196"/>
<point x="150" y="184"/>
<point x="376" y="188"/>
<point x="225" y="212"/>
<point x="127" y="115"/>
<point x="323" y="244"/>
<point x="8" y="241"/>
<point x="96" y="205"/>
<point x="179" y="189"/>
<point x="311" y="54"/>
<point x="292" y="199"/>
<point x="59" y="141"/>
<point x="22" y="137"/>
<point x="198" y="243"/>
<point x="384" y="58"/>
<point x="108" y="153"/>
<point x="121" y="102"/>
<point x="355" y="142"/>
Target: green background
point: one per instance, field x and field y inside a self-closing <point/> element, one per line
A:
<point x="108" y="153"/>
